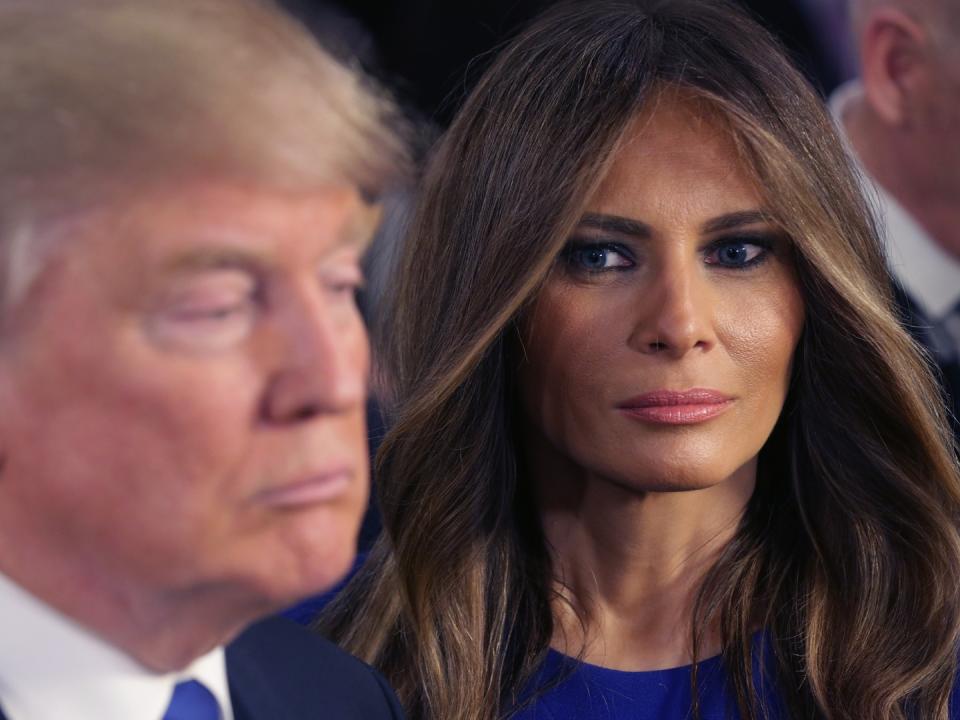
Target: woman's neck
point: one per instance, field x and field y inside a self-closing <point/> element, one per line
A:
<point x="628" y="563"/>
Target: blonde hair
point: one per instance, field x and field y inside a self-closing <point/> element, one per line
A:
<point x="98" y="97"/>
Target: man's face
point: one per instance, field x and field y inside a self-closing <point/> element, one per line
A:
<point x="182" y="395"/>
<point x="942" y="113"/>
<point x="933" y="106"/>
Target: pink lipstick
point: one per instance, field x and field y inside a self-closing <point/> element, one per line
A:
<point x="670" y="407"/>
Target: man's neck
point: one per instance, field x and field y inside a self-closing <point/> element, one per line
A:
<point x="889" y="158"/>
<point x="163" y="632"/>
<point x="53" y="667"/>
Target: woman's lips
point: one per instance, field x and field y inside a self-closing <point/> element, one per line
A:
<point x="671" y="407"/>
<point x="315" y="488"/>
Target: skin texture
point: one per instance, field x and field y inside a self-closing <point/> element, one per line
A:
<point x="905" y="126"/>
<point x="183" y="358"/>
<point x="635" y="511"/>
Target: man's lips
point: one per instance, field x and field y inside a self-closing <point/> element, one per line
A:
<point x="309" y="488"/>
<point x="676" y="407"/>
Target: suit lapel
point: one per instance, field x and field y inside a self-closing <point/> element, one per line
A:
<point x="251" y="693"/>
<point x="919" y="326"/>
<point x="951" y="381"/>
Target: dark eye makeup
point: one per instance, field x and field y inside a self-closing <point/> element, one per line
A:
<point x="740" y="252"/>
<point x="591" y="256"/>
<point x="595" y="256"/>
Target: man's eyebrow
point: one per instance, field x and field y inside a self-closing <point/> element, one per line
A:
<point x="362" y="226"/>
<point x="616" y="224"/>
<point x="357" y="233"/>
<point x="214" y="258"/>
<point x="733" y="221"/>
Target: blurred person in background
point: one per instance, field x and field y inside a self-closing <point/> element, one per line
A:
<point x="661" y="447"/>
<point x="902" y="122"/>
<point x="185" y="193"/>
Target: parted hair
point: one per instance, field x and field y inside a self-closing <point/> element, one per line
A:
<point x="104" y="97"/>
<point x="848" y="553"/>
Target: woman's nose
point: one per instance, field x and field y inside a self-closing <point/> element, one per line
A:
<point x="675" y="313"/>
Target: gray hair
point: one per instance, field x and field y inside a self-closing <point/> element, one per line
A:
<point x="99" y="98"/>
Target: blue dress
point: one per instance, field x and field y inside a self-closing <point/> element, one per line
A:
<point x="573" y="690"/>
<point x="577" y="690"/>
<point x="590" y="692"/>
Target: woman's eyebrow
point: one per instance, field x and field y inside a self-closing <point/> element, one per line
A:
<point x="617" y="224"/>
<point x="732" y="221"/>
<point x="636" y="228"/>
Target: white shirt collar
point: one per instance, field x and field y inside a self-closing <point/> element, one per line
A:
<point x="929" y="274"/>
<point x="53" y="668"/>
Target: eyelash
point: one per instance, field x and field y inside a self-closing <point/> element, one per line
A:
<point x="217" y="313"/>
<point x="575" y="249"/>
<point x="336" y="285"/>
<point x="343" y="282"/>
<point x="349" y="287"/>
<point x="764" y="243"/>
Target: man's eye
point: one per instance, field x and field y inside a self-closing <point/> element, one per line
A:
<point x="214" y="313"/>
<point x="342" y="281"/>
<point x="211" y="314"/>
<point x="596" y="257"/>
<point x="737" y="253"/>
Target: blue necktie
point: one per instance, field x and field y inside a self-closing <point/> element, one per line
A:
<point x="192" y="701"/>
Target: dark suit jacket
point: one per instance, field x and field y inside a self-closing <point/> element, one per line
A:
<point x="949" y="373"/>
<point x="278" y="670"/>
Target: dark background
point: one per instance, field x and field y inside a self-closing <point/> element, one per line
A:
<point x="431" y="51"/>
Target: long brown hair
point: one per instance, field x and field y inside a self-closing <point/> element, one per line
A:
<point x="848" y="552"/>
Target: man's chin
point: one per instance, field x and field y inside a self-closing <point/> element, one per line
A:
<point x="316" y="574"/>
<point x="331" y="573"/>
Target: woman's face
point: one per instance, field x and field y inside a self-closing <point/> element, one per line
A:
<point x="658" y="354"/>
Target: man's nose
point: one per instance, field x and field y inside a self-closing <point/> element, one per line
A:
<point x="322" y="364"/>
<point x="675" y="313"/>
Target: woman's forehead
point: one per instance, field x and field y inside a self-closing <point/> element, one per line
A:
<point x="675" y="153"/>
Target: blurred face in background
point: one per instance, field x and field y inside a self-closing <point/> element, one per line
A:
<point x="182" y="392"/>
<point x="910" y="71"/>
<point x="658" y="355"/>
<point x="940" y="111"/>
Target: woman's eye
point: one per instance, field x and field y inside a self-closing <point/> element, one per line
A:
<point x="737" y="253"/>
<point x="596" y="257"/>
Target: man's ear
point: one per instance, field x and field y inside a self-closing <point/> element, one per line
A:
<point x="4" y="430"/>
<point x="8" y="403"/>
<point x="894" y="52"/>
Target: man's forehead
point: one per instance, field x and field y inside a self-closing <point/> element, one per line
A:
<point x="186" y="219"/>
<point x="134" y="241"/>
<point x="132" y="237"/>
